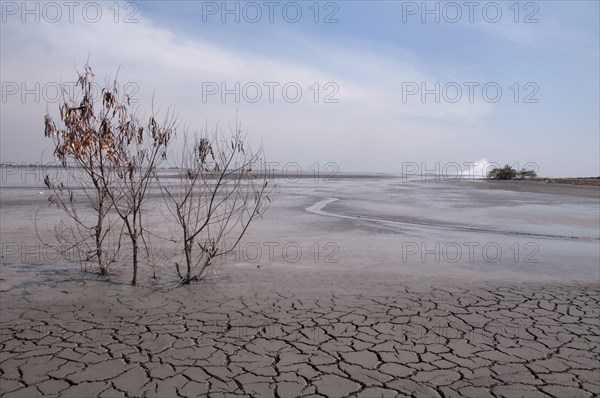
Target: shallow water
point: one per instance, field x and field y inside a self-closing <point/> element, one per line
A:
<point x="461" y="230"/>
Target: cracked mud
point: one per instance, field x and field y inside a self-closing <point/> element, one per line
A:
<point x="372" y="323"/>
<point x="370" y="336"/>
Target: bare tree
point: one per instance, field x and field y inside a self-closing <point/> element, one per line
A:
<point x="118" y="154"/>
<point x="139" y="150"/>
<point x="115" y="156"/>
<point x="216" y="196"/>
<point x="84" y="148"/>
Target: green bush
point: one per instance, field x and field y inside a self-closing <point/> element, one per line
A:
<point x="508" y="173"/>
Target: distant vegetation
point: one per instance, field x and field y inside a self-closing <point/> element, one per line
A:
<point x="590" y="181"/>
<point x="508" y="173"/>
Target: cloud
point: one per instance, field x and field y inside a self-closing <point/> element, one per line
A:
<point x="177" y="70"/>
<point x="370" y="124"/>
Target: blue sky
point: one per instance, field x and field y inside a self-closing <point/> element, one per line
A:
<point x="370" y="57"/>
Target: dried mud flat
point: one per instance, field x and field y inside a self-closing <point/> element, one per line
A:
<point x="269" y="333"/>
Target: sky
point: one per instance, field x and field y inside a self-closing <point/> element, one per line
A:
<point x="369" y="86"/>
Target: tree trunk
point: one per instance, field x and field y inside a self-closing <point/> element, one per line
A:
<point x="103" y="270"/>
<point x="135" y="261"/>
<point x="99" y="253"/>
<point x="188" y="261"/>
